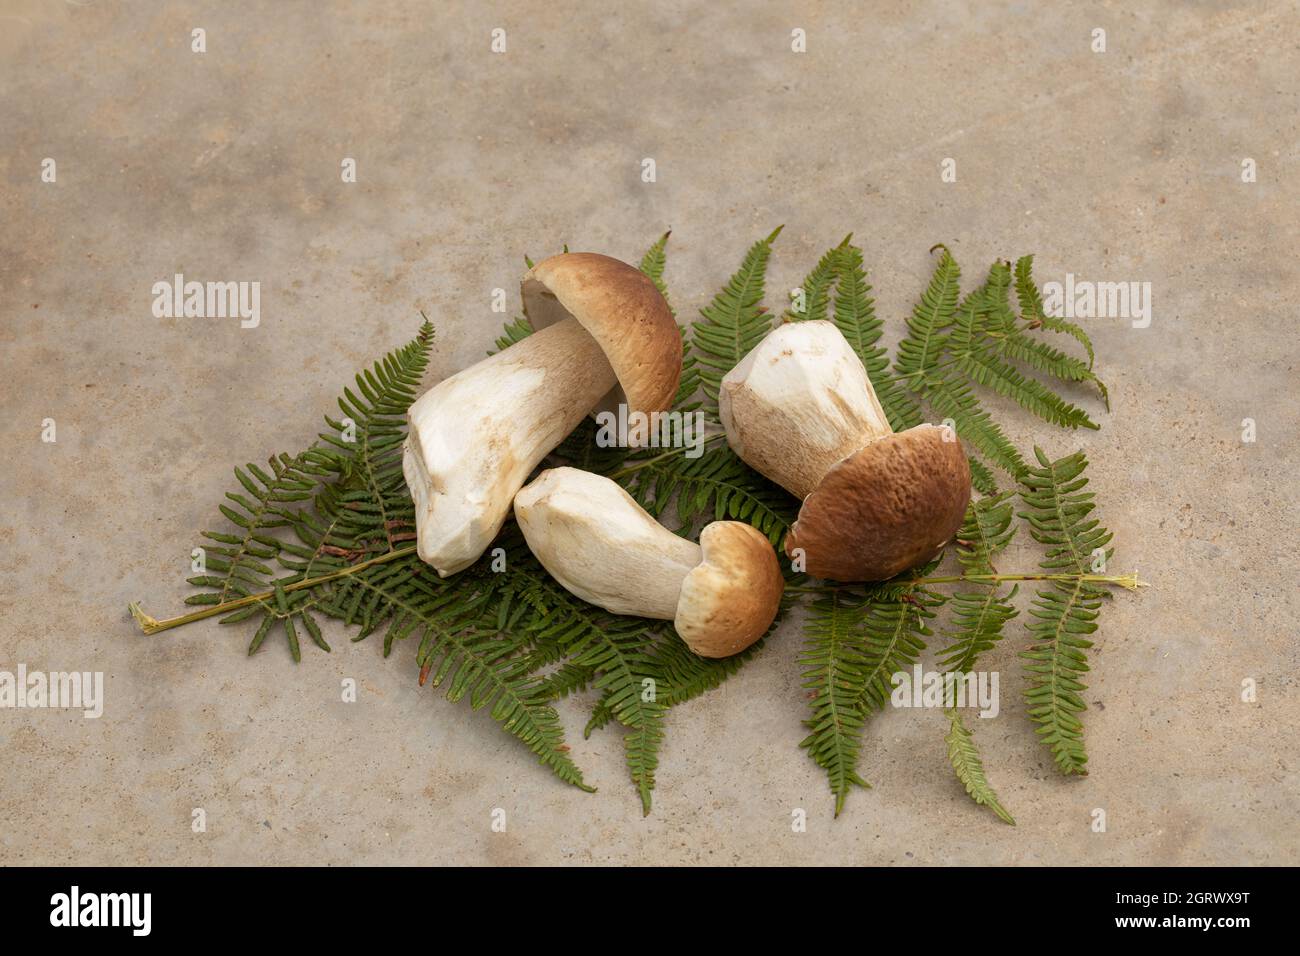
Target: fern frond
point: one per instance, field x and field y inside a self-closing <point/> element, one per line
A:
<point x="1000" y="333"/>
<point x="375" y="509"/>
<point x="930" y="329"/>
<point x="1018" y="345"/>
<point x="966" y="762"/>
<point x="926" y="337"/>
<point x="235" y="563"/>
<point x="1031" y="308"/>
<point x="978" y="617"/>
<point x="641" y="749"/>
<point x="835" y="662"/>
<point x="601" y="717"/>
<point x="856" y="319"/>
<point x="817" y="287"/>
<point x="1043" y="358"/>
<point x="517" y="701"/>
<point x="581" y="450"/>
<point x="986" y="530"/>
<point x="565" y="680"/>
<point x="953" y="398"/>
<point x="735" y="321"/>
<point x="981" y="478"/>
<point x="1059" y="516"/>
<point x="894" y="632"/>
<point x="1055" y="662"/>
<point x="653" y="263"/>
<point x="616" y="650"/>
<point x="686" y="675"/>
<point x="976" y="626"/>
<point x="344" y="499"/>
<point x="511" y="333"/>
<point x="853" y="645"/>
<point x="980" y="364"/>
<point x="715" y="486"/>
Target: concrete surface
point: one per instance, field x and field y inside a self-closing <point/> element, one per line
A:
<point x="1123" y="165"/>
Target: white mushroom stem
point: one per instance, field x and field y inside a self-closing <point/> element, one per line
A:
<point x="475" y="437"/>
<point x="798" y="404"/>
<point x="602" y="546"/>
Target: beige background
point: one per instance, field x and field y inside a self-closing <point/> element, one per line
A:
<point x="1116" y="166"/>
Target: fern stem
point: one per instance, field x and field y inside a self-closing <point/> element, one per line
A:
<point x="1129" y="582"/>
<point x="151" y="625"/>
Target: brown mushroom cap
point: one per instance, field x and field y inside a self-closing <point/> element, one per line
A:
<point x="623" y="311"/>
<point x="888" y="507"/>
<point x="729" y="600"/>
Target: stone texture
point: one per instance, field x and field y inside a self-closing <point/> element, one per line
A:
<point x="1115" y="166"/>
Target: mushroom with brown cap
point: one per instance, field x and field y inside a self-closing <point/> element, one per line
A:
<point x="604" y="335"/>
<point x="800" y="409"/>
<point x="721" y="594"/>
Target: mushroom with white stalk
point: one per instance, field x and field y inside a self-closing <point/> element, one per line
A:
<point x="721" y="594"/>
<point x="604" y="336"/>
<point x="800" y="409"/>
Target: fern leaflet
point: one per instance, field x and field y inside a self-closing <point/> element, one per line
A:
<point x="735" y="321"/>
<point x="1059" y="516"/>
<point x="965" y="760"/>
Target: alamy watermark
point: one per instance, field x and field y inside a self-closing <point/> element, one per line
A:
<point x="624" y="429"/>
<point x="922" y="688"/>
<point x="130" y="910"/>
<point x="208" y="300"/>
<point x="1082" y="299"/>
<point x="56" y="690"/>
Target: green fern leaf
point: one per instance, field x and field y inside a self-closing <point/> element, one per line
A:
<point x="687" y="675"/>
<point x="920" y="349"/>
<point x="343" y="499"/>
<point x="641" y="746"/>
<point x="974" y="358"/>
<point x="616" y="649"/>
<point x="953" y="399"/>
<point x="1059" y="516"/>
<point x="981" y="478"/>
<point x="512" y="332"/>
<point x="834" y="661"/>
<point x="734" y="322"/>
<point x="976" y="626"/>
<point x="654" y="262"/>
<point x="894" y="629"/>
<point x="1006" y="338"/>
<point x="817" y="288"/>
<point x="855" y="317"/>
<point x="715" y="486"/>
<point x="1031" y="308"/>
<point x="517" y="702"/>
<point x="855" y="640"/>
<point x="986" y="530"/>
<point x="978" y="617"/>
<point x="966" y="762"/>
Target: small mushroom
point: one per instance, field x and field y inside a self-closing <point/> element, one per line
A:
<point x="800" y="409"/>
<point x="721" y="594"/>
<point x="604" y="336"/>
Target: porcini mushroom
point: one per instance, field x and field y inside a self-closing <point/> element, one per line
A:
<point x="604" y="336"/>
<point x="721" y="594"/>
<point x="800" y="409"/>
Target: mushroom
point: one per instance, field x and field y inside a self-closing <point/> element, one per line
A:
<point x="800" y="409"/>
<point x="605" y="336"/>
<point x="721" y="594"/>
